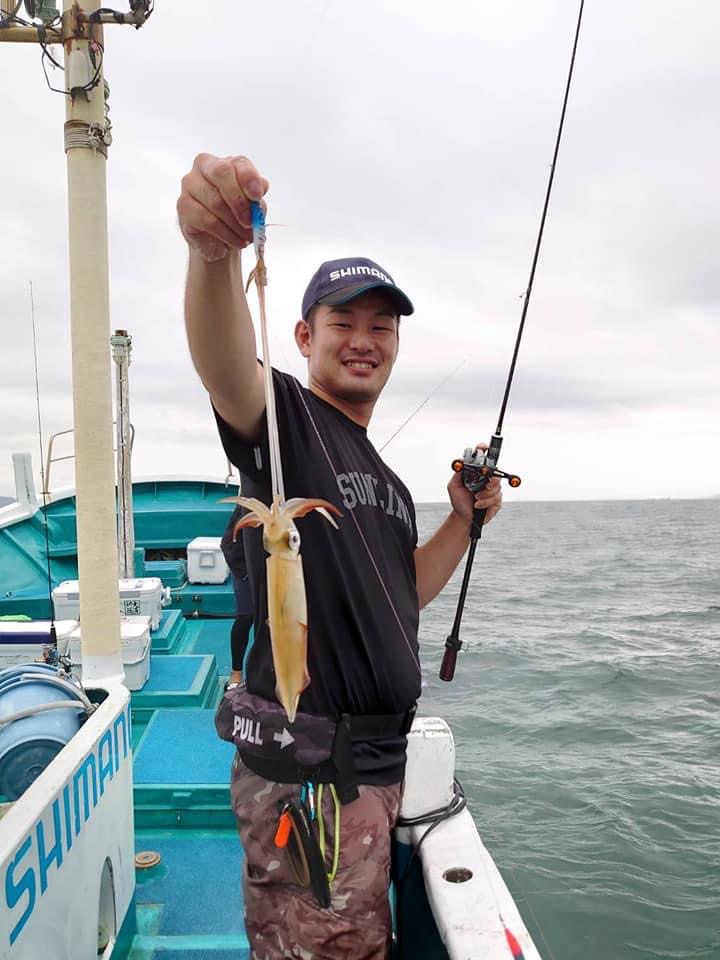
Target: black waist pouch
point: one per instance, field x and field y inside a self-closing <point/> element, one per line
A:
<point x="260" y="728"/>
<point x="311" y="748"/>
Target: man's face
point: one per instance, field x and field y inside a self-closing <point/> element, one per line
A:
<point x="351" y="350"/>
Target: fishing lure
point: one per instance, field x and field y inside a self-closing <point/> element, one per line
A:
<point x="286" y="599"/>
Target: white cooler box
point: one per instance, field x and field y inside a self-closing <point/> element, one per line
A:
<point x="142" y="596"/>
<point x="134" y="650"/>
<point x="205" y="561"/>
<point x="23" y="641"/>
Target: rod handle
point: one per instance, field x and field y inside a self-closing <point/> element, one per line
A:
<point x="447" y="667"/>
<point x="477" y="523"/>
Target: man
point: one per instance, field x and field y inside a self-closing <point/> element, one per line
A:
<point x="364" y="581"/>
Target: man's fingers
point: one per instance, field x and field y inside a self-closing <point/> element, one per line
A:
<point x="211" y="214"/>
<point x="490" y="497"/>
<point x="237" y="181"/>
<point x="253" y="185"/>
<point x="196" y="222"/>
<point x="215" y="202"/>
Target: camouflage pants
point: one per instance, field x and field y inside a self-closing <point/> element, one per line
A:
<point x="283" y="919"/>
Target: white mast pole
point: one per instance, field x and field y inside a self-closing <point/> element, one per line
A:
<point x="86" y="139"/>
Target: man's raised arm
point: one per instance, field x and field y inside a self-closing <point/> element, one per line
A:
<point x="214" y="216"/>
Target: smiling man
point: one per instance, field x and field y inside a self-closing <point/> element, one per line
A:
<point x="365" y="582"/>
<point x="349" y="333"/>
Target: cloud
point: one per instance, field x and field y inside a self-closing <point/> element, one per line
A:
<point x="422" y="137"/>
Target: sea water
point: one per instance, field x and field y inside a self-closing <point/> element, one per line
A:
<point x="586" y="714"/>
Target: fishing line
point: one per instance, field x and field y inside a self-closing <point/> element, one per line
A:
<point x="421" y="405"/>
<point x="259" y="274"/>
<point x="526" y="906"/>
<point x="477" y="467"/>
<point x="307" y="55"/>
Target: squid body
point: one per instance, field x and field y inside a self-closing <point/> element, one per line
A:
<point x="287" y="605"/>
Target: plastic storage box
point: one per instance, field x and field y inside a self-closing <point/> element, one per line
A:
<point x="134" y="650"/>
<point x="142" y="596"/>
<point x="24" y="642"/>
<point x="205" y="561"/>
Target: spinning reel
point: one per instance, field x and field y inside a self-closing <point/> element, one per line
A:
<point x="478" y="466"/>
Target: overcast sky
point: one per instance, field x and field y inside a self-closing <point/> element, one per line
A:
<point x="418" y="134"/>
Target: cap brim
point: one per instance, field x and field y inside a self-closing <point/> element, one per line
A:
<point x="403" y="304"/>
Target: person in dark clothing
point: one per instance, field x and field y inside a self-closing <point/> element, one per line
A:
<point x="365" y="581"/>
<point x="234" y="553"/>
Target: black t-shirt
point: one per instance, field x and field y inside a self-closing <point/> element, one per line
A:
<point x="359" y="579"/>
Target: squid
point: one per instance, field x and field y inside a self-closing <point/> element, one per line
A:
<point x="287" y="604"/>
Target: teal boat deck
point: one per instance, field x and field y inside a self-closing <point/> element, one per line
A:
<point x="189" y="905"/>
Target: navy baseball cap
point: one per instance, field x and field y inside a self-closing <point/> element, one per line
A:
<point x="339" y="281"/>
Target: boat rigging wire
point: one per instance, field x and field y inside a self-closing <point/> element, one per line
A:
<point x="478" y="468"/>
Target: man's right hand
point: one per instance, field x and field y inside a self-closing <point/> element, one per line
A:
<point x="214" y="205"/>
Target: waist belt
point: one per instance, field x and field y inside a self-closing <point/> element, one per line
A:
<point x="311" y="748"/>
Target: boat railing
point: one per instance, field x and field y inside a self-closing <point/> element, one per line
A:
<point x="230" y="476"/>
<point x="50" y="459"/>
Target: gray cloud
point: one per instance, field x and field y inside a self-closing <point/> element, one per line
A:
<point x="421" y="136"/>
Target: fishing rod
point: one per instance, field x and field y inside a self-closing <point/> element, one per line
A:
<point x="52" y="647"/>
<point x="477" y="466"/>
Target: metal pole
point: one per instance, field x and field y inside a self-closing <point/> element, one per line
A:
<point x="86" y="141"/>
<point x="121" y="344"/>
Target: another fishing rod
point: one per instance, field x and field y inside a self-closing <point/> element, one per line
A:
<point x="476" y="466"/>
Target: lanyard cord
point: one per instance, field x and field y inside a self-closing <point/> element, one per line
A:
<point x="336" y="828"/>
<point x="358" y="529"/>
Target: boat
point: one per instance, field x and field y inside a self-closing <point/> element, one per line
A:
<point x="132" y="858"/>
<point x="117" y="838"/>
